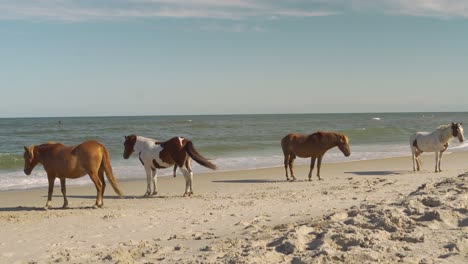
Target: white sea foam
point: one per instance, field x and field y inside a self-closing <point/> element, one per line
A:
<point x="132" y="169"/>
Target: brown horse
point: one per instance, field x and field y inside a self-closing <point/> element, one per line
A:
<point x="60" y="161"/>
<point x="313" y="146"/>
<point x="153" y="155"/>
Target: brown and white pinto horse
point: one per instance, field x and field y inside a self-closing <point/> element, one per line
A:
<point x="60" y="161"/>
<point x="313" y="146"/>
<point x="153" y="155"/>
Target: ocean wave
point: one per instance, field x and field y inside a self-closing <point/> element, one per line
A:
<point x="11" y="161"/>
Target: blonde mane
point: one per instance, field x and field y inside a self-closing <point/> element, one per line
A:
<point x="328" y="137"/>
<point x="443" y="127"/>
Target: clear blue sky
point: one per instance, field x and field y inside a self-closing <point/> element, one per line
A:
<point x="157" y="57"/>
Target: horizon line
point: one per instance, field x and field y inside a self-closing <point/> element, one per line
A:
<point x="233" y="114"/>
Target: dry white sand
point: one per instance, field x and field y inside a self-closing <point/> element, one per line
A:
<point x="365" y="211"/>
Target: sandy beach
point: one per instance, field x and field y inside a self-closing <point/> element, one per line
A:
<point x="363" y="211"/>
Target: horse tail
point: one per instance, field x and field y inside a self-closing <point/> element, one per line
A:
<point x="198" y="157"/>
<point x="108" y="170"/>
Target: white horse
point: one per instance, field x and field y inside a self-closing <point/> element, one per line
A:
<point x="436" y="141"/>
<point x="153" y="155"/>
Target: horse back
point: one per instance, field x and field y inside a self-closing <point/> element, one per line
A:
<point x="296" y="144"/>
<point x="172" y="150"/>
<point x="83" y="158"/>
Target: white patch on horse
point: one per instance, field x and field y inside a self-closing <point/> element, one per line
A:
<point x="149" y="151"/>
<point x="181" y="139"/>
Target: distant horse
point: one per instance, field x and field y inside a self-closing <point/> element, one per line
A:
<point x="436" y="141"/>
<point x="60" y="161"/>
<point x="153" y="155"/>
<point x="313" y="146"/>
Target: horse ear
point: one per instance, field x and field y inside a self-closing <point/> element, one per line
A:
<point x="125" y="137"/>
<point x="453" y="124"/>
<point x="461" y="123"/>
<point x="28" y="150"/>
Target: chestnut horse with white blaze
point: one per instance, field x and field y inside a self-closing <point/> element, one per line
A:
<point x="60" y="161"/>
<point x="436" y="141"/>
<point x="153" y="155"/>
<point x="311" y="146"/>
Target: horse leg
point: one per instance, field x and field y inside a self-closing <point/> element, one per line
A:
<point x="312" y="164"/>
<point x="418" y="162"/>
<point x="319" y="164"/>
<point x="413" y="157"/>
<point x="103" y="181"/>
<point x="50" y="191"/>
<point x="286" y="162"/>
<point x="436" y="161"/>
<point x="97" y="183"/>
<point x="148" y="181"/>
<point x="440" y="160"/>
<point x="291" y="165"/>
<point x="187" y="180"/>
<point x="155" y="182"/>
<point x="188" y="165"/>
<point x="64" y="192"/>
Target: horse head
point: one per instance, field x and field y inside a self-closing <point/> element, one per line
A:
<point x="457" y="131"/>
<point x="129" y="146"/>
<point x="343" y="145"/>
<point x="30" y="160"/>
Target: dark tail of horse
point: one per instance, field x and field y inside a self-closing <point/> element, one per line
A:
<point x="108" y="170"/>
<point x="198" y="157"/>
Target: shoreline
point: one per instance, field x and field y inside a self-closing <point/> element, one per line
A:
<point x="168" y="173"/>
<point x="227" y="207"/>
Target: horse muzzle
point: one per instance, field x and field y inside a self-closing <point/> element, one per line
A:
<point x="27" y="172"/>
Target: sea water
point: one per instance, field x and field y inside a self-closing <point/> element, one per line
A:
<point x="233" y="142"/>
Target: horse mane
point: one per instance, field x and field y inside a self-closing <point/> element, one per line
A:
<point x="49" y="143"/>
<point x="443" y="127"/>
<point x="326" y="137"/>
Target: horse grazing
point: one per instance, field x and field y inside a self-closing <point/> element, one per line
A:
<point x="313" y="146"/>
<point x="60" y="161"/>
<point x="436" y="141"/>
<point x="153" y="155"/>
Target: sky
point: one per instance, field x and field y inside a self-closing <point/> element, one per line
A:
<point x="190" y="57"/>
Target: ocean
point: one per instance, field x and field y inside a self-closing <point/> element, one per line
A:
<point x="233" y="142"/>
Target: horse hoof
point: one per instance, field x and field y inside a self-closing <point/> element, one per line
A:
<point x="65" y="206"/>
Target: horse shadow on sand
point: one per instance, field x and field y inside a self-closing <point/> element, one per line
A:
<point x="377" y="173"/>
<point x="248" y="181"/>
<point x="90" y="197"/>
<point x="34" y="208"/>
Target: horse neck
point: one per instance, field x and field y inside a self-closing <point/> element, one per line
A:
<point x="445" y="135"/>
<point x="41" y="152"/>
<point x="331" y="141"/>
<point x="141" y="144"/>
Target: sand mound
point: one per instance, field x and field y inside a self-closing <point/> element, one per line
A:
<point x="430" y="225"/>
<point x="427" y="226"/>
